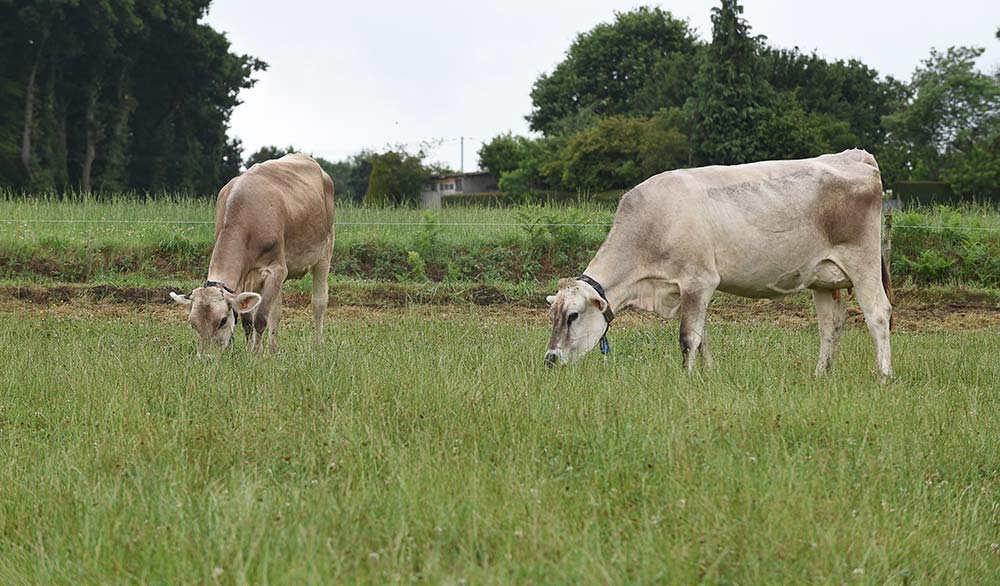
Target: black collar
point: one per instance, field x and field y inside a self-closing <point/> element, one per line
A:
<point x="609" y="314"/>
<point x="220" y="285"/>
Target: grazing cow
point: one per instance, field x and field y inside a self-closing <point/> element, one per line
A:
<point x="760" y="230"/>
<point x="273" y="222"/>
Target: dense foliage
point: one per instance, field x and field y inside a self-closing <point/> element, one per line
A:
<point x="350" y="176"/>
<point x="608" y="67"/>
<point x="115" y="94"/>
<point x="642" y="95"/>
<point x="395" y="178"/>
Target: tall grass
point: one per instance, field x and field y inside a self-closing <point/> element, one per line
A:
<point x="121" y="237"/>
<point x="416" y="447"/>
<point x="355" y="222"/>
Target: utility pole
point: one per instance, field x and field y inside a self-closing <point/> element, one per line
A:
<point x="461" y="142"/>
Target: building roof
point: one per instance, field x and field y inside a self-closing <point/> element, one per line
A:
<point x="456" y="175"/>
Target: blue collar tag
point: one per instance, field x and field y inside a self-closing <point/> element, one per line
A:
<point x="605" y="347"/>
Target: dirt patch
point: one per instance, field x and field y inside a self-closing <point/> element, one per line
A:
<point x="99" y="293"/>
<point x="912" y="312"/>
<point x="487" y="295"/>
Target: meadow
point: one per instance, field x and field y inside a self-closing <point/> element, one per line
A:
<point x="428" y="444"/>
<point x="425" y="442"/>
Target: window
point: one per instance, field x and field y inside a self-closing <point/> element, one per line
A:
<point x="458" y="184"/>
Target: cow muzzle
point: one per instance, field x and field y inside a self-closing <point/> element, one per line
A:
<point x="551" y="358"/>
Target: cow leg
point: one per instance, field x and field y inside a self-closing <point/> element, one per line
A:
<point x="704" y="349"/>
<point x="831" y="313"/>
<point x="272" y="323"/>
<point x="273" y="279"/>
<point x="247" y="320"/>
<point x="694" y="307"/>
<point x="877" y="309"/>
<point x="320" y="295"/>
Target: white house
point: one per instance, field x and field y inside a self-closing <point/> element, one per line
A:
<point x="438" y="186"/>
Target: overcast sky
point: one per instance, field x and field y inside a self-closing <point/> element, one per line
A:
<point x="350" y="75"/>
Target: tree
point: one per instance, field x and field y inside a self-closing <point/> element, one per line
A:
<point x="395" y="178"/>
<point x="950" y="127"/>
<point x="350" y="176"/>
<point x="186" y="82"/>
<point x="267" y="153"/>
<point x="732" y="96"/>
<point x="620" y="152"/>
<point x="608" y="67"/>
<point x="116" y="94"/>
<point x="847" y="91"/>
<point x="503" y="154"/>
<point x="788" y="131"/>
<point x="539" y="169"/>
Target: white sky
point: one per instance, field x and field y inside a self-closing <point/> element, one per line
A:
<point x="347" y="75"/>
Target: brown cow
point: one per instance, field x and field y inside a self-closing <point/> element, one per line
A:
<point x="273" y="222"/>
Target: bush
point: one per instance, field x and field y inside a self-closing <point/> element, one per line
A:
<point x="923" y="193"/>
<point x="945" y="245"/>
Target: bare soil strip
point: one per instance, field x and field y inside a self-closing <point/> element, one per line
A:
<point x="913" y="311"/>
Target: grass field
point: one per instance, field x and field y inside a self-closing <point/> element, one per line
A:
<point x="429" y="444"/>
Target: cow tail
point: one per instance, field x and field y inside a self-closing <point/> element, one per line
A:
<point x="887" y="285"/>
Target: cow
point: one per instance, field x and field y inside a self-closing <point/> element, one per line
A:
<point x="758" y="230"/>
<point x="274" y="222"/>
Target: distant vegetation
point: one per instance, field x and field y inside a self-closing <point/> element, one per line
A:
<point x="113" y="95"/>
<point x="642" y="95"/>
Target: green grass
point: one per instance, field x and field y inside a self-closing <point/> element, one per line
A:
<point x="128" y="220"/>
<point x="84" y="240"/>
<point x="420" y="446"/>
<point x="355" y="223"/>
<point x="123" y="239"/>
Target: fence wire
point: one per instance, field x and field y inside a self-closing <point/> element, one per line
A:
<point x="428" y="224"/>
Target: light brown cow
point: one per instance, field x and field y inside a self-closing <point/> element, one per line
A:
<point x="273" y="222"/>
<point x="759" y="230"/>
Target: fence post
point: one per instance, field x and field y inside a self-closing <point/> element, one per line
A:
<point x="887" y="241"/>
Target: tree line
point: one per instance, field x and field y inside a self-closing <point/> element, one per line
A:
<point x="642" y="94"/>
<point x="117" y="95"/>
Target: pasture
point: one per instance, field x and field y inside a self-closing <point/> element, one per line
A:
<point x="424" y="441"/>
<point x="429" y="444"/>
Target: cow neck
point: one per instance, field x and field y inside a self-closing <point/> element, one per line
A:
<point x="227" y="264"/>
<point x="621" y="277"/>
<point x="614" y="282"/>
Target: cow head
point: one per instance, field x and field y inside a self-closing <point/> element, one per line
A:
<point x="578" y="322"/>
<point x="213" y="315"/>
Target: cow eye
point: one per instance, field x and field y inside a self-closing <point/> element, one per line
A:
<point x="222" y="322"/>
<point x="572" y="317"/>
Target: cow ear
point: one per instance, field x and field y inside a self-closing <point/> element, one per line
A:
<point x="181" y="299"/>
<point x="550" y="299"/>
<point x="599" y="303"/>
<point x="246" y="302"/>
